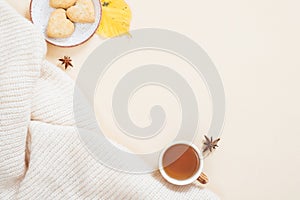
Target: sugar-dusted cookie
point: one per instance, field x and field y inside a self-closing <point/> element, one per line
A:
<point x="62" y="3"/>
<point x="59" y="26"/>
<point x="83" y="12"/>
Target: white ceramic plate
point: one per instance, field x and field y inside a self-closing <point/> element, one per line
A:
<point x="40" y="11"/>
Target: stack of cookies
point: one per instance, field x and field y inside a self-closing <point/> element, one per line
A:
<point x="66" y="13"/>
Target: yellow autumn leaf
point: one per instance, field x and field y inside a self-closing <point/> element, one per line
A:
<point x="116" y="18"/>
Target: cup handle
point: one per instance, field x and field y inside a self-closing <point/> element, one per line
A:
<point x="203" y="178"/>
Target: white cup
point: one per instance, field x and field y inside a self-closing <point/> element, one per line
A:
<point x="199" y="175"/>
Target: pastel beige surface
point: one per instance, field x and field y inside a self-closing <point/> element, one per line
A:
<point x="255" y="45"/>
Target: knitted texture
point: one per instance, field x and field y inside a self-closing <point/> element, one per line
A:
<point x="36" y="116"/>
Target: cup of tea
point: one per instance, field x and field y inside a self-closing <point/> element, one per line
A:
<point x="181" y="163"/>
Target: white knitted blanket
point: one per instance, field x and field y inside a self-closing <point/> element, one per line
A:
<point x="41" y="154"/>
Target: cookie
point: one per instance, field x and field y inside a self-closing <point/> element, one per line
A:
<point x="83" y="12"/>
<point x="59" y="26"/>
<point x="62" y="3"/>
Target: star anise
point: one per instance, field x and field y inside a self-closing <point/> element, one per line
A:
<point x="66" y="61"/>
<point x="210" y="144"/>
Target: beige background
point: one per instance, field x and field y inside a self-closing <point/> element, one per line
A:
<point x="255" y="45"/>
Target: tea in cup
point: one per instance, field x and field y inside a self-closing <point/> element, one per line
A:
<point x="181" y="163"/>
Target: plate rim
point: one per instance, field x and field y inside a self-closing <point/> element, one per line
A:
<point x="67" y="46"/>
